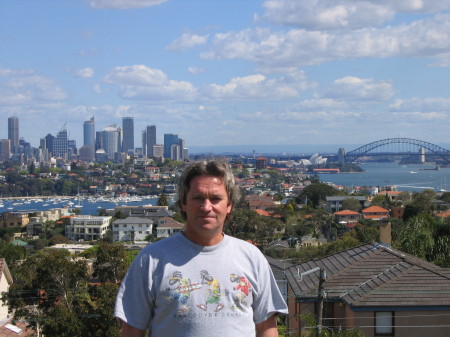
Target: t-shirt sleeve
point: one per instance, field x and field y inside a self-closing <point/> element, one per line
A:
<point x="134" y="302"/>
<point x="268" y="298"/>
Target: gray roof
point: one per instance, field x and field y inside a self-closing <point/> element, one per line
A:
<point x="374" y="276"/>
<point x="345" y="197"/>
<point x="133" y="221"/>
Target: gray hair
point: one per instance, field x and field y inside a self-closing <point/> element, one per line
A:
<point x="214" y="168"/>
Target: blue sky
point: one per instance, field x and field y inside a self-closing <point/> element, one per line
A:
<point x="229" y="72"/>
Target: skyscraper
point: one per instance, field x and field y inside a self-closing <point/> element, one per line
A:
<point x="5" y="149"/>
<point x="89" y="132"/>
<point x="111" y="140"/>
<point x="150" y="140"/>
<point x="13" y="133"/>
<point x="169" y="140"/>
<point x="128" y="134"/>
<point x="60" y="143"/>
<point x="49" y="140"/>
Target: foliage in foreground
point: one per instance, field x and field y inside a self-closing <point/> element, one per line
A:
<point x="54" y="292"/>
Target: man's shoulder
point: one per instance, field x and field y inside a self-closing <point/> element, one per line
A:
<point x="166" y="243"/>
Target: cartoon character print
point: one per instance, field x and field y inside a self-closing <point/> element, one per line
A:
<point x="180" y="291"/>
<point x="213" y="294"/>
<point x="243" y="288"/>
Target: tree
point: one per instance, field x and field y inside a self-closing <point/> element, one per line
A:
<point x="351" y="204"/>
<point x="52" y="292"/>
<point x="162" y="200"/>
<point x="111" y="264"/>
<point x="316" y="193"/>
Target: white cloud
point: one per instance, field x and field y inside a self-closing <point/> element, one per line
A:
<point x="123" y="4"/>
<point x="143" y="83"/>
<point x="186" y="41"/>
<point x="364" y="89"/>
<point x="429" y="37"/>
<point x="21" y="87"/>
<point x="430" y="107"/>
<point x="259" y="86"/>
<point x="84" y="73"/>
<point x="345" y="14"/>
<point x="195" y="70"/>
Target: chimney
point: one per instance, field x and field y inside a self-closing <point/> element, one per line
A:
<point x="386" y="232"/>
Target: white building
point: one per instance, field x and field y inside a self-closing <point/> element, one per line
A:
<point x="87" y="227"/>
<point x="168" y="227"/>
<point x="132" y="229"/>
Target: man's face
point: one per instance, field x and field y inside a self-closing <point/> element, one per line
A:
<point x="206" y="208"/>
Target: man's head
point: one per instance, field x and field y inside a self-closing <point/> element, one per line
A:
<point x="218" y="169"/>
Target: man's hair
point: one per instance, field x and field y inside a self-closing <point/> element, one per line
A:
<point x="214" y="168"/>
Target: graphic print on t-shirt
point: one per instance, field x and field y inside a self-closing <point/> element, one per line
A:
<point x="210" y="295"/>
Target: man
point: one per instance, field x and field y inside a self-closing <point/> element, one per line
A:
<point x="186" y="285"/>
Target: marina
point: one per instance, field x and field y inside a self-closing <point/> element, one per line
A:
<point x="86" y="205"/>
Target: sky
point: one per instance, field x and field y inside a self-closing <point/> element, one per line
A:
<point x="229" y="72"/>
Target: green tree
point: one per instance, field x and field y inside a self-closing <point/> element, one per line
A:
<point x="316" y="193"/>
<point x="52" y="292"/>
<point x="162" y="200"/>
<point x="110" y="264"/>
<point x="351" y="204"/>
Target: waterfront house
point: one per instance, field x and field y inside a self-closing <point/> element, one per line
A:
<point x="168" y="227"/>
<point x="374" y="288"/>
<point x="87" y="228"/>
<point x="132" y="229"/>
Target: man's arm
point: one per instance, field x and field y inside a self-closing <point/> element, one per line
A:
<point x="268" y="328"/>
<point x="127" y="330"/>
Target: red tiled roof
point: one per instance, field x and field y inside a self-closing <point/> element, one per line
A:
<point x="346" y="212"/>
<point x="375" y="209"/>
<point x="444" y="214"/>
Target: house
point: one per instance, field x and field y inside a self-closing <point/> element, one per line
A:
<point x="375" y="213"/>
<point x="377" y="289"/>
<point x="87" y="228"/>
<point x="168" y="227"/>
<point x="132" y="229"/>
<point x="145" y="211"/>
<point x="334" y="203"/>
<point x="346" y="216"/>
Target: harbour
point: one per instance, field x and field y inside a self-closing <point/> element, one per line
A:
<point x="408" y="178"/>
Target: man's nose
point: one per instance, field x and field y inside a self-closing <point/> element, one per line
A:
<point x="206" y="205"/>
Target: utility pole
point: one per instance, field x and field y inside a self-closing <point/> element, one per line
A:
<point x="320" y="295"/>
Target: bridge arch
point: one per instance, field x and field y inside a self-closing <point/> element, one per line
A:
<point x="364" y="150"/>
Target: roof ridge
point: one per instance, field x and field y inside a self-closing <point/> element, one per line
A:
<point x="371" y="279"/>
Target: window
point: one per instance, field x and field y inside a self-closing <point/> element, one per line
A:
<point x="384" y="323"/>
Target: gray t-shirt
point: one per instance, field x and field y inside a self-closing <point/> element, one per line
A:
<point x="178" y="288"/>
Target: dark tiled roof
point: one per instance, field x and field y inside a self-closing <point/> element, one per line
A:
<point x="372" y="276"/>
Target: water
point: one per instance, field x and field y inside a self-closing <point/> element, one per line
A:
<point x="89" y="206"/>
<point x="411" y="178"/>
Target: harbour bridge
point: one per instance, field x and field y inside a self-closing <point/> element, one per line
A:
<point x="398" y="146"/>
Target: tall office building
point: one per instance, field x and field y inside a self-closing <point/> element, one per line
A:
<point x="88" y="140"/>
<point x="49" y="140"/>
<point x="13" y="133"/>
<point x="169" y="140"/>
<point x="128" y="134"/>
<point x="111" y="140"/>
<point x="150" y="136"/>
<point x="89" y="132"/>
<point x="60" y="143"/>
<point x="5" y="149"/>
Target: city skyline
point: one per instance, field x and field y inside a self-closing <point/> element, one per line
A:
<point x="255" y="73"/>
